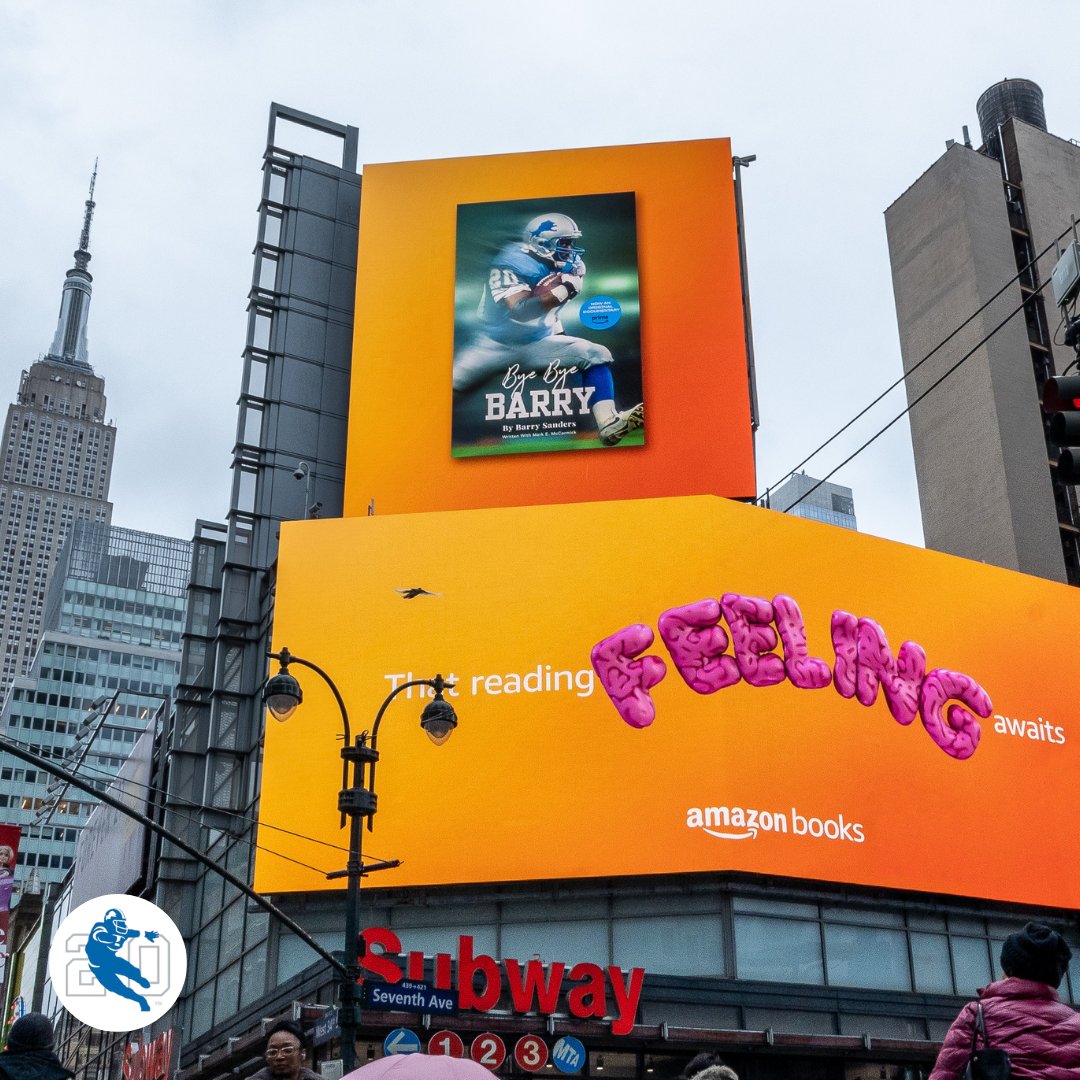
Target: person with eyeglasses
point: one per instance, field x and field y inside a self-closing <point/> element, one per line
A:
<point x="286" y="1054"/>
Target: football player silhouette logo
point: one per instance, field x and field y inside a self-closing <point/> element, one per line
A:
<point x="107" y="937"/>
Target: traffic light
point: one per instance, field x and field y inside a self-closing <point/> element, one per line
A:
<point x="1061" y="396"/>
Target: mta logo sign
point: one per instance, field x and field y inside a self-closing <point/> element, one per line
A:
<point x="568" y="1054"/>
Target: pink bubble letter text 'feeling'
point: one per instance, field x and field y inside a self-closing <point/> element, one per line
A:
<point x="698" y="644"/>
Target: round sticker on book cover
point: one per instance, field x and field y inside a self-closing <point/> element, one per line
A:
<point x="600" y="312"/>
<point x="117" y="963"/>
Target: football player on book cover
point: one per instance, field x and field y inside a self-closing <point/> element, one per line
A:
<point x="528" y="284"/>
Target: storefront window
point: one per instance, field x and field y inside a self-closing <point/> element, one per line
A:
<point x="570" y="942"/>
<point x="202" y="1012"/>
<point x="1071" y="987"/>
<point x="677" y="945"/>
<point x="858" y="915"/>
<point x="613" y="1064"/>
<point x="253" y="976"/>
<point x="930" y="954"/>
<point x="228" y="990"/>
<point x="778" y="950"/>
<point x="444" y="939"/>
<point x="926" y="920"/>
<point x="294" y="955"/>
<point x="867" y="956"/>
<point x="207" y="963"/>
<point x="774" y="907"/>
<point x="232" y="931"/>
<point x="971" y="959"/>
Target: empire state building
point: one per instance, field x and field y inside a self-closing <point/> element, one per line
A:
<point x="56" y="465"/>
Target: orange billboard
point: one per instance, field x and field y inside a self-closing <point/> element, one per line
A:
<point x="558" y="301"/>
<point x="729" y="688"/>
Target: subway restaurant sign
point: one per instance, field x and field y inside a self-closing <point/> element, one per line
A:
<point x="724" y="688"/>
<point x="587" y="991"/>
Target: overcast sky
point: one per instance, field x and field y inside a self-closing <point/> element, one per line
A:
<point x="845" y="104"/>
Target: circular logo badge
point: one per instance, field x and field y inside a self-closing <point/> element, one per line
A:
<point x="568" y="1054"/>
<point x="530" y="1053"/>
<point x="600" y="312"/>
<point x="117" y="963"/>
<point x="446" y="1042"/>
<point x="488" y="1050"/>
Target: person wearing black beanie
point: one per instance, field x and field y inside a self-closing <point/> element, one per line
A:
<point x="1022" y="1013"/>
<point x="29" y="1051"/>
<point x="1037" y="953"/>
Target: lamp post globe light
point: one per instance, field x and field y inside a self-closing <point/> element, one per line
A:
<point x="282" y="695"/>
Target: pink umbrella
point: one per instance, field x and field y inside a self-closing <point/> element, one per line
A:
<point x="420" y="1067"/>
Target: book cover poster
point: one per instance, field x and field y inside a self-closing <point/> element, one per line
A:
<point x="547" y="342"/>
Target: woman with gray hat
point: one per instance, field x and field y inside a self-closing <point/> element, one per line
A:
<point x="1022" y="1013"/>
<point x="29" y="1051"/>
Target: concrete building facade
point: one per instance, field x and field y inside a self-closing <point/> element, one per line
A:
<point x="975" y="238"/>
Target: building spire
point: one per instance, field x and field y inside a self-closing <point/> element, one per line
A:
<point x="69" y="342"/>
<point x="82" y="256"/>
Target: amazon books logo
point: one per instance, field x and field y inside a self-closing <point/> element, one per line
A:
<point x="742" y="823"/>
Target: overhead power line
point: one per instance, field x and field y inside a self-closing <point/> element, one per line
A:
<point x="127" y="785"/>
<point x="933" y="386"/>
<point x="19" y="751"/>
<point x="915" y="367"/>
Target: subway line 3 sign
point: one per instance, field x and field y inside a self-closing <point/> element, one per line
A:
<point x="766" y="694"/>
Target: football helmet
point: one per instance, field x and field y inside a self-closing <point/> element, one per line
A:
<point x="553" y="235"/>
<point x="116" y="917"/>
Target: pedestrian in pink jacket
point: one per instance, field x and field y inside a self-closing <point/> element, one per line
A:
<point x="1022" y="1012"/>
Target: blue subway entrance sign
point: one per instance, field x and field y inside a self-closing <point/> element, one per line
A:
<point x="401" y="1041"/>
<point x="409" y="996"/>
<point x="568" y="1054"/>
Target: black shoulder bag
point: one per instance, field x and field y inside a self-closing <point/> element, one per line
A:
<point x="989" y="1063"/>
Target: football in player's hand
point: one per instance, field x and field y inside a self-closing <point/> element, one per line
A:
<point x="546" y="286"/>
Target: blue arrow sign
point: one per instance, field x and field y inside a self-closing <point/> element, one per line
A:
<point x="401" y="1041"/>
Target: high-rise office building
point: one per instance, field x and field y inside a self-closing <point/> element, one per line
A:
<point x="56" y="464"/>
<point x="977" y="236"/>
<point x="107" y="662"/>
<point x="815" y="500"/>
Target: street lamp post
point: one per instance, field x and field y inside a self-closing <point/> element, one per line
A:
<point x="282" y="695"/>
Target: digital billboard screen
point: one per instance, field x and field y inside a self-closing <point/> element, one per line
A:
<point x="513" y="311"/>
<point x="678" y="685"/>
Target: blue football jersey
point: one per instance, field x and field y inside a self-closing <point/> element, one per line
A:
<point x="516" y="270"/>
